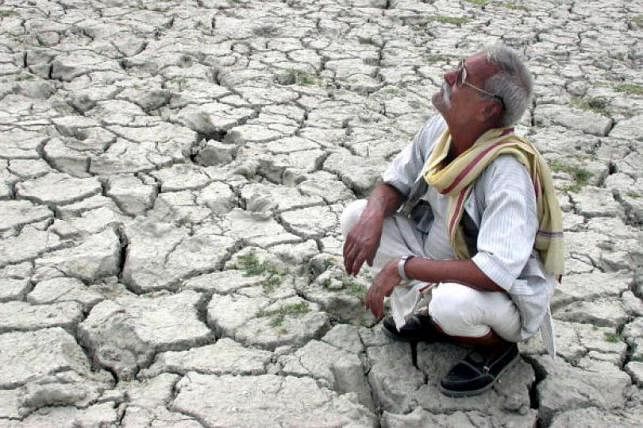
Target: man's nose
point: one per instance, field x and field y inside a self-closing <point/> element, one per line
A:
<point x="450" y="77"/>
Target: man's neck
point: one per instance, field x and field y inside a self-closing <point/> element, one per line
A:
<point x="463" y="137"/>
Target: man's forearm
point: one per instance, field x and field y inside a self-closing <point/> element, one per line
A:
<point x="384" y="201"/>
<point x="461" y="271"/>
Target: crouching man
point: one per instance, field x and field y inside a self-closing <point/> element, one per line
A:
<point x="467" y="211"/>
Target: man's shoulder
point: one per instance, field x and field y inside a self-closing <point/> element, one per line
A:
<point x="505" y="170"/>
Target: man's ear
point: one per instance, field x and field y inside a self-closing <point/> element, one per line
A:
<point x="490" y="111"/>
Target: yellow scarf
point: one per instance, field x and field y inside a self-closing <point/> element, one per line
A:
<point x="457" y="178"/>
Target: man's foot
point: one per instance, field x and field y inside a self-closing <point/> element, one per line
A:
<point x="478" y="372"/>
<point x="418" y="328"/>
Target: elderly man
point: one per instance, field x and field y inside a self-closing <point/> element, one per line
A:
<point x="467" y="211"/>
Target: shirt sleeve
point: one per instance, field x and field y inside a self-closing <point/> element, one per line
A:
<point x="407" y="165"/>
<point x="509" y="221"/>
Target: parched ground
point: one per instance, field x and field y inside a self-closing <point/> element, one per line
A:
<point x="171" y="178"/>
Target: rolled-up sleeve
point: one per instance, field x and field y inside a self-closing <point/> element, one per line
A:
<point x="407" y="165"/>
<point x="509" y="221"/>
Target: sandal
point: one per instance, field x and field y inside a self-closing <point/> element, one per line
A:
<point x="418" y="328"/>
<point x="477" y="372"/>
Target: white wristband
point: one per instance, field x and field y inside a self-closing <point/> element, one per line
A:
<point x="400" y="267"/>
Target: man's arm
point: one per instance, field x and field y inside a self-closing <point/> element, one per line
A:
<point x="461" y="271"/>
<point x="363" y="240"/>
<point x="464" y="272"/>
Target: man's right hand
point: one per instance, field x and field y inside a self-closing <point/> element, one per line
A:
<point x="363" y="241"/>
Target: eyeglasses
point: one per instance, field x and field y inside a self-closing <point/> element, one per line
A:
<point x="461" y="80"/>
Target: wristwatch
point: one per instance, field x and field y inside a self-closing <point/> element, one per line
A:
<point x="400" y="267"/>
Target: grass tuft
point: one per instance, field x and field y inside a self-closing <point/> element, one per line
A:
<point x="613" y="337"/>
<point x="580" y="175"/>
<point x="251" y="266"/>
<point x="298" y="77"/>
<point x="637" y="20"/>
<point x="453" y="20"/>
<point x="481" y="3"/>
<point x="278" y="316"/>
<point x="630" y="88"/>
<point x="353" y="287"/>
<point x="5" y="13"/>
<point x="595" y="104"/>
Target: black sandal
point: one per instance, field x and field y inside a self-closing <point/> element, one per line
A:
<point x="418" y="328"/>
<point x="477" y="372"/>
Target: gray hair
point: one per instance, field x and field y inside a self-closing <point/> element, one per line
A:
<point x="513" y="83"/>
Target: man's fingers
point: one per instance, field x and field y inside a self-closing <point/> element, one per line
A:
<point x="374" y="301"/>
<point x="348" y="247"/>
<point x="350" y="251"/>
<point x="357" y="264"/>
<point x="370" y="258"/>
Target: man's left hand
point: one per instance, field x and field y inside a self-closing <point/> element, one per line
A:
<point x="382" y="287"/>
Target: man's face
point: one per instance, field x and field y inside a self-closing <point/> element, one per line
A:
<point x="461" y="104"/>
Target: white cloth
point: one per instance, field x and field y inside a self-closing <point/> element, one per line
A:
<point x="459" y="310"/>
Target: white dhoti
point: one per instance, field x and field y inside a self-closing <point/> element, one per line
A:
<point x="459" y="310"/>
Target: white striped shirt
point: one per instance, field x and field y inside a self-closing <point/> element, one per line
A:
<point x="502" y="206"/>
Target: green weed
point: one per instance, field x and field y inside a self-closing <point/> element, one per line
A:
<point x="481" y="3"/>
<point x="613" y="337"/>
<point x="580" y="175"/>
<point x="630" y="88"/>
<point x="632" y="194"/>
<point x="298" y="77"/>
<point x="596" y="104"/>
<point x="453" y="20"/>
<point x="251" y="266"/>
<point x="278" y="316"/>
<point x="353" y="288"/>
<point x="5" y="13"/>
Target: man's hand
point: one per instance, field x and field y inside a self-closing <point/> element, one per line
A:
<point x="362" y="242"/>
<point x="382" y="287"/>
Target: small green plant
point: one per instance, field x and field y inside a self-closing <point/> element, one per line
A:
<point x="24" y="76"/>
<point x="278" y="316"/>
<point x="453" y="20"/>
<point x="251" y="266"/>
<point x="637" y="20"/>
<point x="630" y="88"/>
<point x="595" y="104"/>
<point x="391" y="90"/>
<point x="298" y="77"/>
<point x="613" y="337"/>
<point x="353" y="288"/>
<point x="632" y="194"/>
<point x="481" y="3"/>
<point x="580" y="175"/>
<point x="5" y="13"/>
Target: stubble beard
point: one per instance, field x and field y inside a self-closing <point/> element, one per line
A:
<point x="442" y="99"/>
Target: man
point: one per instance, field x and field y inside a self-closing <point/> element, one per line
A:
<point x="480" y="226"/>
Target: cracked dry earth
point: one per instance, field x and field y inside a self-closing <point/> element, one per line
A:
<point x="172" y="173"/>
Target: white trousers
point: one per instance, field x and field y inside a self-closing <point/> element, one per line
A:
<point x="459" y="310"/>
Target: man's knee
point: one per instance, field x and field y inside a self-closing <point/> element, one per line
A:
<point x="351" y="215"/>
<point x="454" y="308"/>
